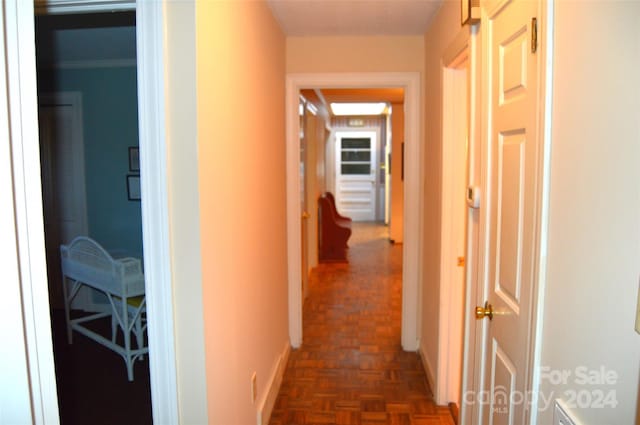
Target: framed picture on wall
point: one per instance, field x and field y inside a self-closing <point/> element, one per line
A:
<point x="134" y="159"/>
<point x="133" y="187"/>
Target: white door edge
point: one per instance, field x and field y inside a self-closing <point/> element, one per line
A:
<point x="412" y="247"/>
<point x="545" y="34"/>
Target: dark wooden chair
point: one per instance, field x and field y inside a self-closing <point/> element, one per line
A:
<point x="333" y="234"/>
<point x="339" y="218"/>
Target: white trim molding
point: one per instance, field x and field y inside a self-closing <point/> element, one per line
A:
<point x="20" y="56"/>
<point x="268" y="401"/>
<point x="155" y="211"/>
<point x="431" y="380"/>
<point x="412" y="247"/>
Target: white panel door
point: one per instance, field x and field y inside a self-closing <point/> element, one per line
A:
<point x="356" y="174"/>
<point x="63" y="185"/>
<point x="514" y="148"/>
<point x="63" y="172"/>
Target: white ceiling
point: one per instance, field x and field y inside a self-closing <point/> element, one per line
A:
<point x="354" y="17"/>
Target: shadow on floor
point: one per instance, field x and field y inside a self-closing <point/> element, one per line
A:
<point x="92" y="381"/>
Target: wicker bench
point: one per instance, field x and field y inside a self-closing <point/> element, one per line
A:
<point x="86" y="263"/>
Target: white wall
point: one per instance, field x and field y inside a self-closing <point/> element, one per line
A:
<point x="184" y="211"/>
<point x="594" y="217"/>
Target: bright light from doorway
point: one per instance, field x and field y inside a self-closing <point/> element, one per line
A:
<point x="358" y="108"/>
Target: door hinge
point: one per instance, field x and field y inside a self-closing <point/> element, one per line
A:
<point x="534" y="35"/>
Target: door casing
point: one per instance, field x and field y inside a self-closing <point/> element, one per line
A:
<point x="20" y="55"/>
<point x="456" y="143"/>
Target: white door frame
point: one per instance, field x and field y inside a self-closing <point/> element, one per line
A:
<point x="451" y="310"/>
<point x="412" y="247"/>
<point x="150" y="36"/>
<point x="32" y="356"/>
<point x="24" y="139"/>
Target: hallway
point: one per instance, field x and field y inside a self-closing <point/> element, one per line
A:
<point x="351" y="368"/>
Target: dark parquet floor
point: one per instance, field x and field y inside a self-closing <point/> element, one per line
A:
<point x="351" y="368"/>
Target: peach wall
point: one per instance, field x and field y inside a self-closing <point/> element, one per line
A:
<point x="444" y="28"/>
<point x="355" y="54"/>
<point x="396" y="223"/>
<point x="241" y="141"/>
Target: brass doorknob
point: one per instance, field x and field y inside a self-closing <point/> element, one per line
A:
<point x="306" y="215"/>
<point x="486" y="311"/>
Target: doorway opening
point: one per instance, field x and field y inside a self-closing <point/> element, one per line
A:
<point x="345" y="163"/>
<point x="409" y="83"/>
<point x="88" y="119"/>
<point x="345" y="158"/>
<point x="355" y="329"/>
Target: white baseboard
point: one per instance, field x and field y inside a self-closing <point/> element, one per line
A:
<point x="268" y="400"/>
<point x="431" y="377"/>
